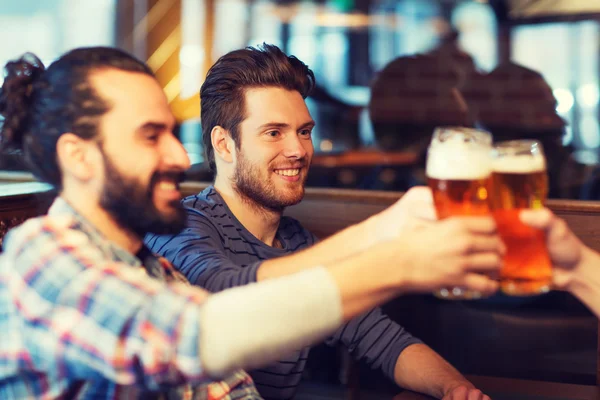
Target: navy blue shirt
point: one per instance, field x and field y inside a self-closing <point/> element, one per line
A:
<point x="217" y="252"/>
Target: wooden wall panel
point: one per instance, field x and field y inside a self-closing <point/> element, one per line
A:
<point x="326" y="211"/>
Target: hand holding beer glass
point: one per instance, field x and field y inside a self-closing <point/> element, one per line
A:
<point x="458" y="172"/>
<point x="519" y="181"/>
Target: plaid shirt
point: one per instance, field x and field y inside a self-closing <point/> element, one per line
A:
<point x="82" y="318"/>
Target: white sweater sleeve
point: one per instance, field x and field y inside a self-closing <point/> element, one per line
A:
<point x="251" y="326"/>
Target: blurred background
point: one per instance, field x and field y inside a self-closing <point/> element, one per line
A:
<point x="388" y="72"/>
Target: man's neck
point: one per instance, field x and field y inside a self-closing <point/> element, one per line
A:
<point x="259" y="221"/>
<point x="102" y="221"/>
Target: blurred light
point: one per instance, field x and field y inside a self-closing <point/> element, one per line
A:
<point x="352" y="20"/>
<point x="586" y="157"/>
<point x="565" y="100"/>
<point x="335" y="43"/>
<point x="344" y="5"/>
<point x="326" y="145"/>
<point x="190" y="134"/>
<point x="387" y="176"/>
<point x="195" y="153"/>
<point x="590" y="132"/>
<point x="304" y="47"/>
<point x="191" y="55"/>
<point x="173" y="88"/>
<point x="588" y="95"/>
<point x="568" y="137"/>
<point x="347" y="177"/>
<point x="367" y="136"/>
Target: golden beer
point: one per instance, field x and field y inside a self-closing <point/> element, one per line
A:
<point x="458" y="172"/>
<point x="460" y="197"/>
<point x="519" y="181"/>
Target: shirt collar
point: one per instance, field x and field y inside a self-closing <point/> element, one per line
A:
<point x="61" y="207"/>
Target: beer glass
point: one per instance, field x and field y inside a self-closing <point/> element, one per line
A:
<point x="458" y="171"/>
<point x="519" y="181"/>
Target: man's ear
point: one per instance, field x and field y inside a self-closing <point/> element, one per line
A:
<point x="223" y="144"/>
<point x="74" y="158"/>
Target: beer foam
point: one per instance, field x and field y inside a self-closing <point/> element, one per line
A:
<point x="458" y="161"/>
<point x="519" y="164"/>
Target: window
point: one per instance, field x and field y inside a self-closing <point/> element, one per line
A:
<point x="50" y="28"/>
<point x="567" y="55"/>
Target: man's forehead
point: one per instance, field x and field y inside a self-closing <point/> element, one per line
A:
<point x="136" y="93"/>
<point x="275" y="103"/>
<point x="108" y="78"/>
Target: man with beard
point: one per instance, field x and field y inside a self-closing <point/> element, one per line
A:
<point x="257" y="133"/>
<point x="86" y="311"/>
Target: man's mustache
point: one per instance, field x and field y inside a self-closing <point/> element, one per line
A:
<point x="174" y="176"/>
<point x="295" y="165"/>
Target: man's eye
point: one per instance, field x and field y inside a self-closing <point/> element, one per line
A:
<point x="273" y="133"/>
<point x="151" y="137"/>
<point x="305" y="132"/>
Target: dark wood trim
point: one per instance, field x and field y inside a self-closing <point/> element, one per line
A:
<point x="26" y="201"/>
<point x="365" y="158"/>
<point x="574" y="206"/>
<point x="388" y="198"/>
<point x="521" y="389"/>
<point x="537" y="388"/>
<point x="326" y="211"/>
<point x="15" y="176"/>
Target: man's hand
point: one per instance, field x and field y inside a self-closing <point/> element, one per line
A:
<point x="465" y="392"/>
<point x="564" y="248"/>
<point x="457" y="251"/>
<point x="414" y="210"/>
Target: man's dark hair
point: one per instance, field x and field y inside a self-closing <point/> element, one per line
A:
<point x="222" y="96"/>
<point x="39" y="104"/>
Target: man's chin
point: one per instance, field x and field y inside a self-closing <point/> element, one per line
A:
<point x="288" y="201"/>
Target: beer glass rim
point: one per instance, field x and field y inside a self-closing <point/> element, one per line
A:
<point x="521" y="146"/>
<point x="480" y="134"/>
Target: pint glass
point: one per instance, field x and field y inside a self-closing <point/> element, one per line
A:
<point x="458" y="172"/>
<point x="519" y="181"/>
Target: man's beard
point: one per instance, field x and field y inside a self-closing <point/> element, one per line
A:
<point x="248" y="183"/>
<point x="132" y="205"/>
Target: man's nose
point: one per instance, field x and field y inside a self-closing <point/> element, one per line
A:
<point x="294" y="147"/>
<point x="174" y="154"/>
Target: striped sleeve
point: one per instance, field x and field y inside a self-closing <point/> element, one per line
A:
<point x="86" y="318"/>
<point x="198" y="252"/>
<point x="374" y="338"/>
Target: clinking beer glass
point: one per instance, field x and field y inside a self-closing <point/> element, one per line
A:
<point x="519" y="181"/>
<point x="458" y="172"/>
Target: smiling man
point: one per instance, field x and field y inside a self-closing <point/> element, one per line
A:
<point x="257" y="135"/>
